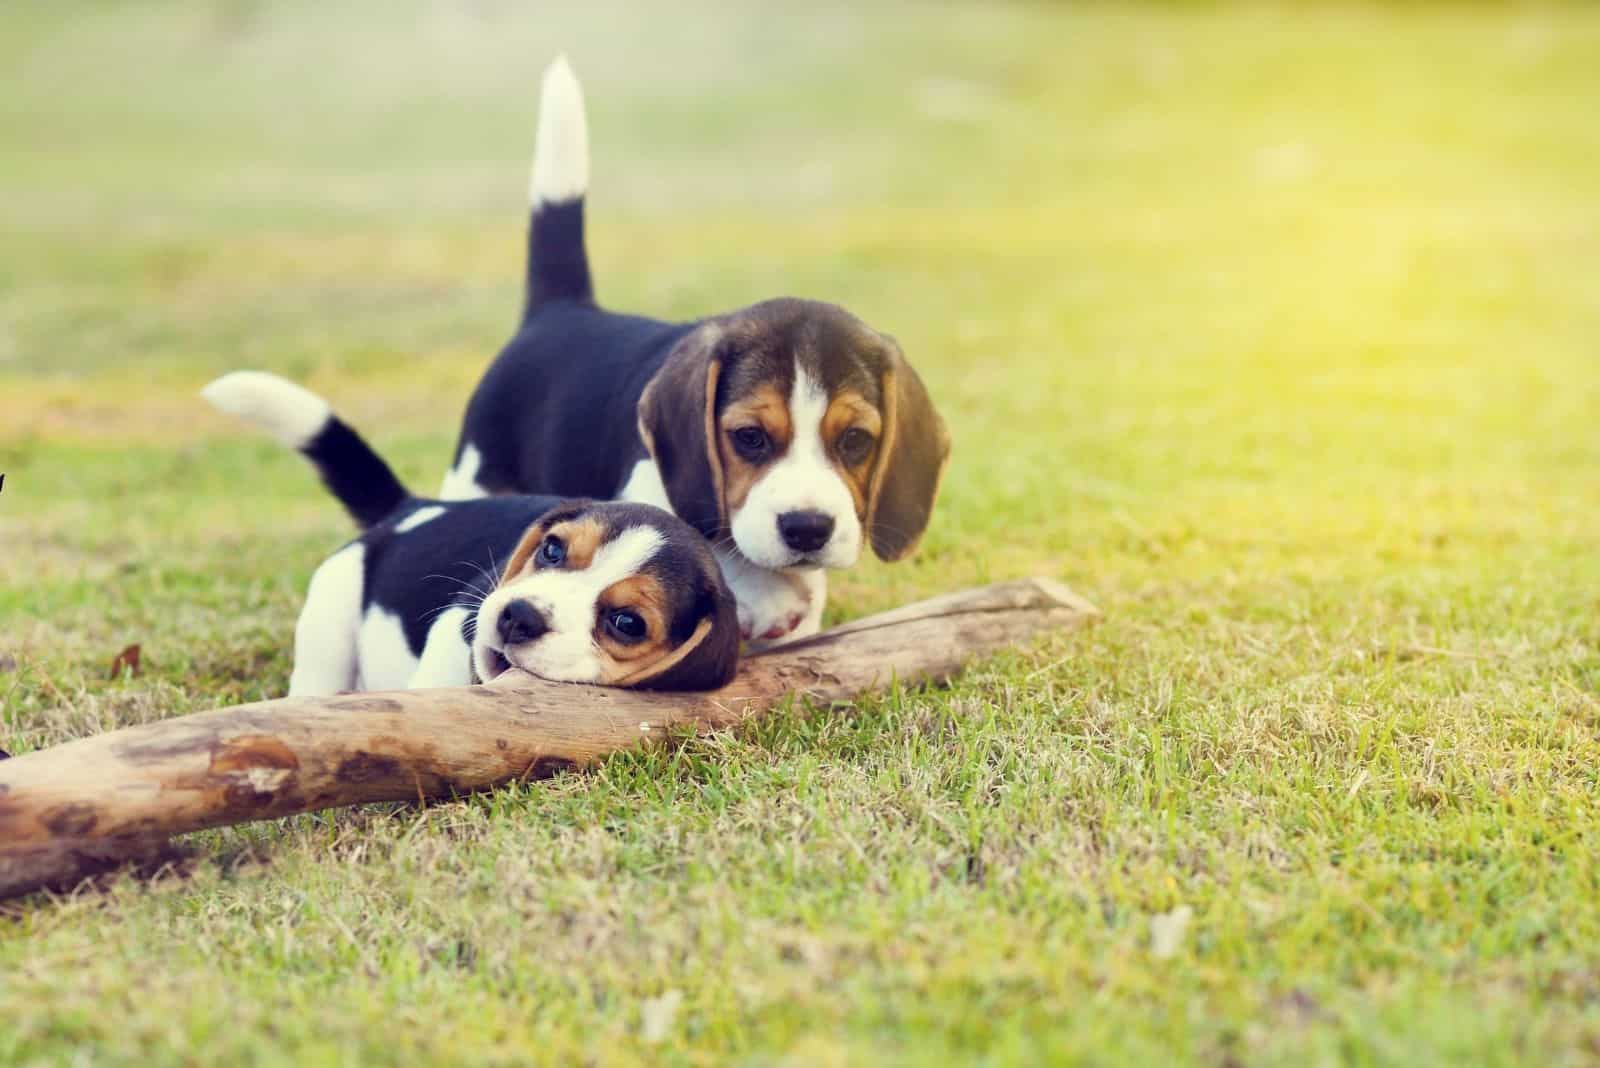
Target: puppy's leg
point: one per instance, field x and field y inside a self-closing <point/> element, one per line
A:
<point x="461" y="482"/>
<point x="771" y="603"/>
<point x="325" y="635"/>
<point x="812" y="586"/>
<point x="446" y="657"/>
<point x="383" y="651"/>
<point x="816" y="581"/>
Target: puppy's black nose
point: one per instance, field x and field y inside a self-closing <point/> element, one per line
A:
<point x="520" y="622"/>
<point x="805" y="532"/>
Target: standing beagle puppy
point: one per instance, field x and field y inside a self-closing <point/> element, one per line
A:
<point x="434" y="593"/>
<point x="789" y="433"/>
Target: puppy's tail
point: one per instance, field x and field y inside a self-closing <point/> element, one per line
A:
<point x="558" y="265"/>
<point x="304" y="422"/>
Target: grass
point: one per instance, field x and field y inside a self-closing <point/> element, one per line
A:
<point x="1269" y="329"/>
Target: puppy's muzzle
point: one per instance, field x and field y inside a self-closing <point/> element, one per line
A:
<point x="520" y="622"/>
<point x="805" y="532"/>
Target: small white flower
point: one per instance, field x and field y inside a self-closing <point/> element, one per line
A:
<point x="656" y="1015"/>
<point x="1167" y="930"/>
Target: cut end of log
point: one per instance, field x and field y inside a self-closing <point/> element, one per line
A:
<point x="1063" y="597"/>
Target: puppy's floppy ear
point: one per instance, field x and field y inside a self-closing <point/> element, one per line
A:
<point x="708" y="658"/>
<point x="535" y="534"/>
<point x="678" y="421"/>
<point x="912" y="452"/>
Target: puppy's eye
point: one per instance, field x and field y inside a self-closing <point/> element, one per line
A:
<point x="552" y="552"/>
<point x="627" y="626"/>
<point x="751" y="442"/>
<point x="854" y="445"/>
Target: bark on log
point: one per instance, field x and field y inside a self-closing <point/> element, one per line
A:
<point x="78" y="809"/>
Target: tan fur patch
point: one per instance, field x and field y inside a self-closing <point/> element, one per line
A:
<point x="523" y="552"/>
<point x="766" y="408"/>
<point x="642" y="594"/>
<point x="846" y="410"/>
<point x="583" y="537"/>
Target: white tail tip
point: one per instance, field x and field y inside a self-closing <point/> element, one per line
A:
<point x="292" y="414"/>
<point x="561" y="148"/>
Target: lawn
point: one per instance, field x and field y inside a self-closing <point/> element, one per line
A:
<point x="1274" y="331"/>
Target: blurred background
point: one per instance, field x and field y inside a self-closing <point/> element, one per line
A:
<point x="1273" y="329"/>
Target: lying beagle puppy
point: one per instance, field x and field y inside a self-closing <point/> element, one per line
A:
<point x="789" y="433"/>
<point x="604" y="592"/>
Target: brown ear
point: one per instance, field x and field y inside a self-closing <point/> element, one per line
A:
<point x="678" y="422"/>
<point x="912" y="452"/>
<point x="706" y="660"/>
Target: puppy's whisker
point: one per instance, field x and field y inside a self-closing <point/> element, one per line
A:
<point x="433" y="614"/>
<point x="491" y="578"/>
<point x="469" y="586"/>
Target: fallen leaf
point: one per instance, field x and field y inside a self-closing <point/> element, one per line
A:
<point x="1167" y="930"/>
<point x="127" y="659"/>
<point x="656" y="1015"/>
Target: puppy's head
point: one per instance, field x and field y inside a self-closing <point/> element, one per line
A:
<point x="798" y="430"/>
<point x="610" y="593"/>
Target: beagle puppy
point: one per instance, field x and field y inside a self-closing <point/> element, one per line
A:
<point x="436" y="593"/>
<point x="789" y="433"/>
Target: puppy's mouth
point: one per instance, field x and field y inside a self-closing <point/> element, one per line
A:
<point x="785" y="559"/>
<point x="492" y="663"/>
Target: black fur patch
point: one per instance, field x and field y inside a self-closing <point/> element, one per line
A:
<point x="453" y="558"/>
<point x="355" y="474"/>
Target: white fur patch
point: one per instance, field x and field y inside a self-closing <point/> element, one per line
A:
<point x="561" y="147"/>
<point x="816" y="581"/>
<point x="803" y="479"/>
<point x="292" y="414"/>
<point x="446" y="657"/>
<point x="325" y="656"/>
<point x="568" y="600"/>
<point x="644" y="486"/>
<point x="386" y="659"/>
<point x="461" y="482"/>
<point x="419" y="517"/>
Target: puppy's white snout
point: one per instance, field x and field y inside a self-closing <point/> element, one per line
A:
<point x="805" y="531"/>
<point x="520" y="621"/>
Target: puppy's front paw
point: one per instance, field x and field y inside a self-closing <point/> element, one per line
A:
<point x="773" y="611"/>
<point x="770" y="621"/>
<point x="774" y="605"/>
<point x="779" y="630"/>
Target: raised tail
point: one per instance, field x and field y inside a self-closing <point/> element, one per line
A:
<point x="558" y="265"/>
<point x="303" y="421"/>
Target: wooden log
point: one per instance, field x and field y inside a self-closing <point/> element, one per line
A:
<point x="78" y="809"/>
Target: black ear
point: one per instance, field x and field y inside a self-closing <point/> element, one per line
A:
<point x="710" y="656"/>
<point x="912" y="453"/>
<point x="677" y="419"/>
